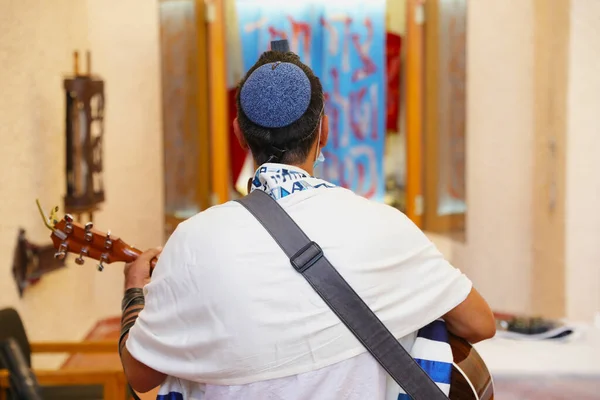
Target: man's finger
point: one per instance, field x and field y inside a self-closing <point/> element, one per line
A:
<point x="150" y="253"/>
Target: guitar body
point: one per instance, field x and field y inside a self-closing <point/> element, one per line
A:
<point x="471" y="379"/>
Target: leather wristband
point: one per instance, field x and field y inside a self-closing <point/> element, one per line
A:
<point x="124" y="332"/>
<point x="135" y="301"/>
<point x="130" y="295"/>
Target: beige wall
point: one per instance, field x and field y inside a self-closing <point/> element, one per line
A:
<point x="498" y="252"/>
<point x="583" y="162"/>
<point x="37" y="38"/>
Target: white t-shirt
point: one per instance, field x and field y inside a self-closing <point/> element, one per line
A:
<point x="227" y="317"/>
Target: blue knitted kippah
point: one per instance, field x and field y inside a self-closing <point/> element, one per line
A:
<point x="275" y="95"/>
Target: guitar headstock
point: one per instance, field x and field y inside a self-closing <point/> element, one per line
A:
<point x="69" y="236"/>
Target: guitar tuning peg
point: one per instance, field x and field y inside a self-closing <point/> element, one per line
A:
<point x="88" y="231"/>
<point x="80" y="260"/>
<point x="61" y="254"/>
<point x="69" y="223"/>
<point x="103" y="258"/>
<point x="108" y="242"/>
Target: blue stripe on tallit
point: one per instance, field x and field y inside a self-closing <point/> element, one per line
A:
<point x="435" y="331"/>
<point x="438" y="368"/>
<point x="170" y="396"/>
<point x="438" y="371"/>
<point x="324" y="184"/>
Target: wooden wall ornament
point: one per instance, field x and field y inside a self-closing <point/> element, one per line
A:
<point x="84" y="132"/>
<point x="32" y="261"/>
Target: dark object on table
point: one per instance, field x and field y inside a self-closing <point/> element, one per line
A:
<point x="530" y="328"/>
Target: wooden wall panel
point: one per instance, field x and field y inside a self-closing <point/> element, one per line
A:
<point x="445" y="116"/>
<point x="219" y="121"/>
<point x="414" y="109"/>
<point x="185" y="109"/>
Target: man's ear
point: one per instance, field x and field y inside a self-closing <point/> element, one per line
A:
<point x="324" y="131"/>
<point x="239" y="135"/>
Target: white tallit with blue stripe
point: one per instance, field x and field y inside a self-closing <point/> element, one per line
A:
<point x="357" y="377"/>
<point x="431" y="349"/>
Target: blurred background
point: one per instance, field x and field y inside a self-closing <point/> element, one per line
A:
<point x="478" y="119"/>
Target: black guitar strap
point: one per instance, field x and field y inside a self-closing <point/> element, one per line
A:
<point x="308" y="259"/>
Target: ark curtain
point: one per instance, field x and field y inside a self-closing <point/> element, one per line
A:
<point x="344" y="43"/>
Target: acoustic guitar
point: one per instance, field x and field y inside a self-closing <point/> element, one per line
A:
<point x="471" y="379"/>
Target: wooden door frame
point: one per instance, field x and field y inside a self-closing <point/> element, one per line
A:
<point x="199" y="62"/>
<point x="414" y="110"/>
<point x="431" y="220"/>
<point x="204" y="178"/>
<point x="219" y="121"/>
